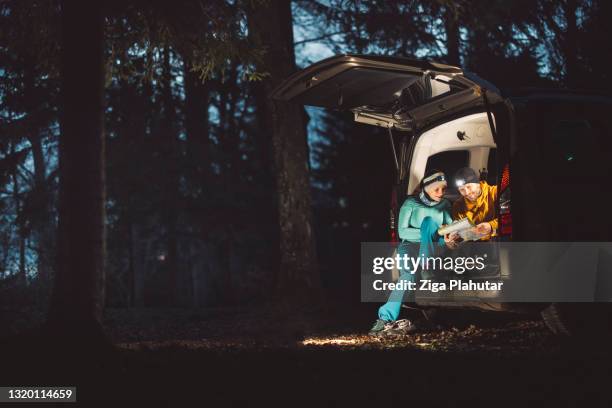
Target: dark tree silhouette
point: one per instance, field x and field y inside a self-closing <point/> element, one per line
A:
<point x="451" y="26"/>
<point x="170" y="179"/>
<point x="272" y="27"/>
<point x="78" y="293"/>
<point x="29" y="90"/>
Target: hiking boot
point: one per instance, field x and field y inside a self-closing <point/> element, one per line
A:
<point x="401" y="327"/>
<point x="379" y="327"/>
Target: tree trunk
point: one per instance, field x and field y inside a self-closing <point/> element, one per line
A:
<point x="570" y="44"/>
<point x="41" y="218"/>
<point x="43" y="221"/>
<point x="451" y="24"/>
<point x="135" y="99"/>
<point x="138" y="252"/>
<point x="222" y="128"/>
<point x="21" y="277"/>
<point x="232" y="137"/>
<point x="197" y="102"/>
<point x="131" y="275"/>
<point x="272" y="27"/>
<point x="267" y="182"/>
<point x="262" y="136"/>
<point x="171" y="190"/>
<point x="225" y="255"/>
<point x="78" y="294"/>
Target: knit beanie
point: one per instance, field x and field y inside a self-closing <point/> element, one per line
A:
<point x="465" y="176"/>
<point x="433" y="179"/>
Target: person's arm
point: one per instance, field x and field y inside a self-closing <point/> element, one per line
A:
<point x="448" y="218"/>
<point x="458" y="212"/>
<point x="449" y="240"/>
<point x="404" y="229"/>
<point x="489" y="227"/>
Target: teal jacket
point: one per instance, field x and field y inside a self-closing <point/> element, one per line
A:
<point x="412" y="213"/>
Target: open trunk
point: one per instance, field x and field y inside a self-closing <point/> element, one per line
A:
<point x="391" y="92"/>
<point x="443" y="113"/>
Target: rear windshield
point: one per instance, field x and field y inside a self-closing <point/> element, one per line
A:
<point x="449" y="162"/>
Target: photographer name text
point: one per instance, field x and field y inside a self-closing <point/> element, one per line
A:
<point x="431" y="286"/>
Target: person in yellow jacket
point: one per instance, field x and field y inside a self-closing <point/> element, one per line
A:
<point x="477" y="203"/>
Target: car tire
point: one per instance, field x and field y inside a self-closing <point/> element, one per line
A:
<point x="589" y="321"/>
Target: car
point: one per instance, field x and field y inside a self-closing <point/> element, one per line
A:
<point x="552" y="148"/>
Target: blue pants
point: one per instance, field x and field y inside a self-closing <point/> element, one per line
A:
<point x="427" y="247"/>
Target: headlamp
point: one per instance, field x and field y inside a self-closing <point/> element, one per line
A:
<point x="434" y="178"/>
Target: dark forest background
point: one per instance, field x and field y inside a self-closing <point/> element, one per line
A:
<point x="204" y="191"/>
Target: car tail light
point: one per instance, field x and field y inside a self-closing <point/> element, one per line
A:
<point x="505" y="181"/>
<point x="393" y="237"/>
<point x="505" y="213"/>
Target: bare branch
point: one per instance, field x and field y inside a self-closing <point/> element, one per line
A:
<point x="323" y="37"/>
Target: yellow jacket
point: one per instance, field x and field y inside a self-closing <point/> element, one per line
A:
<point x="483" y="210"/>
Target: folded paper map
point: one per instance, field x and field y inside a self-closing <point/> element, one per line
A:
<point x="464" y="228"/>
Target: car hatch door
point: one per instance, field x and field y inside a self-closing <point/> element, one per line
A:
<point x="383" y="91"/>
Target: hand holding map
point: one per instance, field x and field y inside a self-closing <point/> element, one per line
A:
<point x="464" y="227"/>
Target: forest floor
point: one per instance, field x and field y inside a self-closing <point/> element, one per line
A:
<point x="241" y="329"/>
<point x="266" y="356"/>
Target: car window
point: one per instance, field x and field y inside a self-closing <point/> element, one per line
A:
<point x="449" y="162"/>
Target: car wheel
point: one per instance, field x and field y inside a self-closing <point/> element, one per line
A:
<point x="579" y="320"/>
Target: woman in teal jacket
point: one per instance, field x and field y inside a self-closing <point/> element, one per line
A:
<point x="419" y="219"/>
